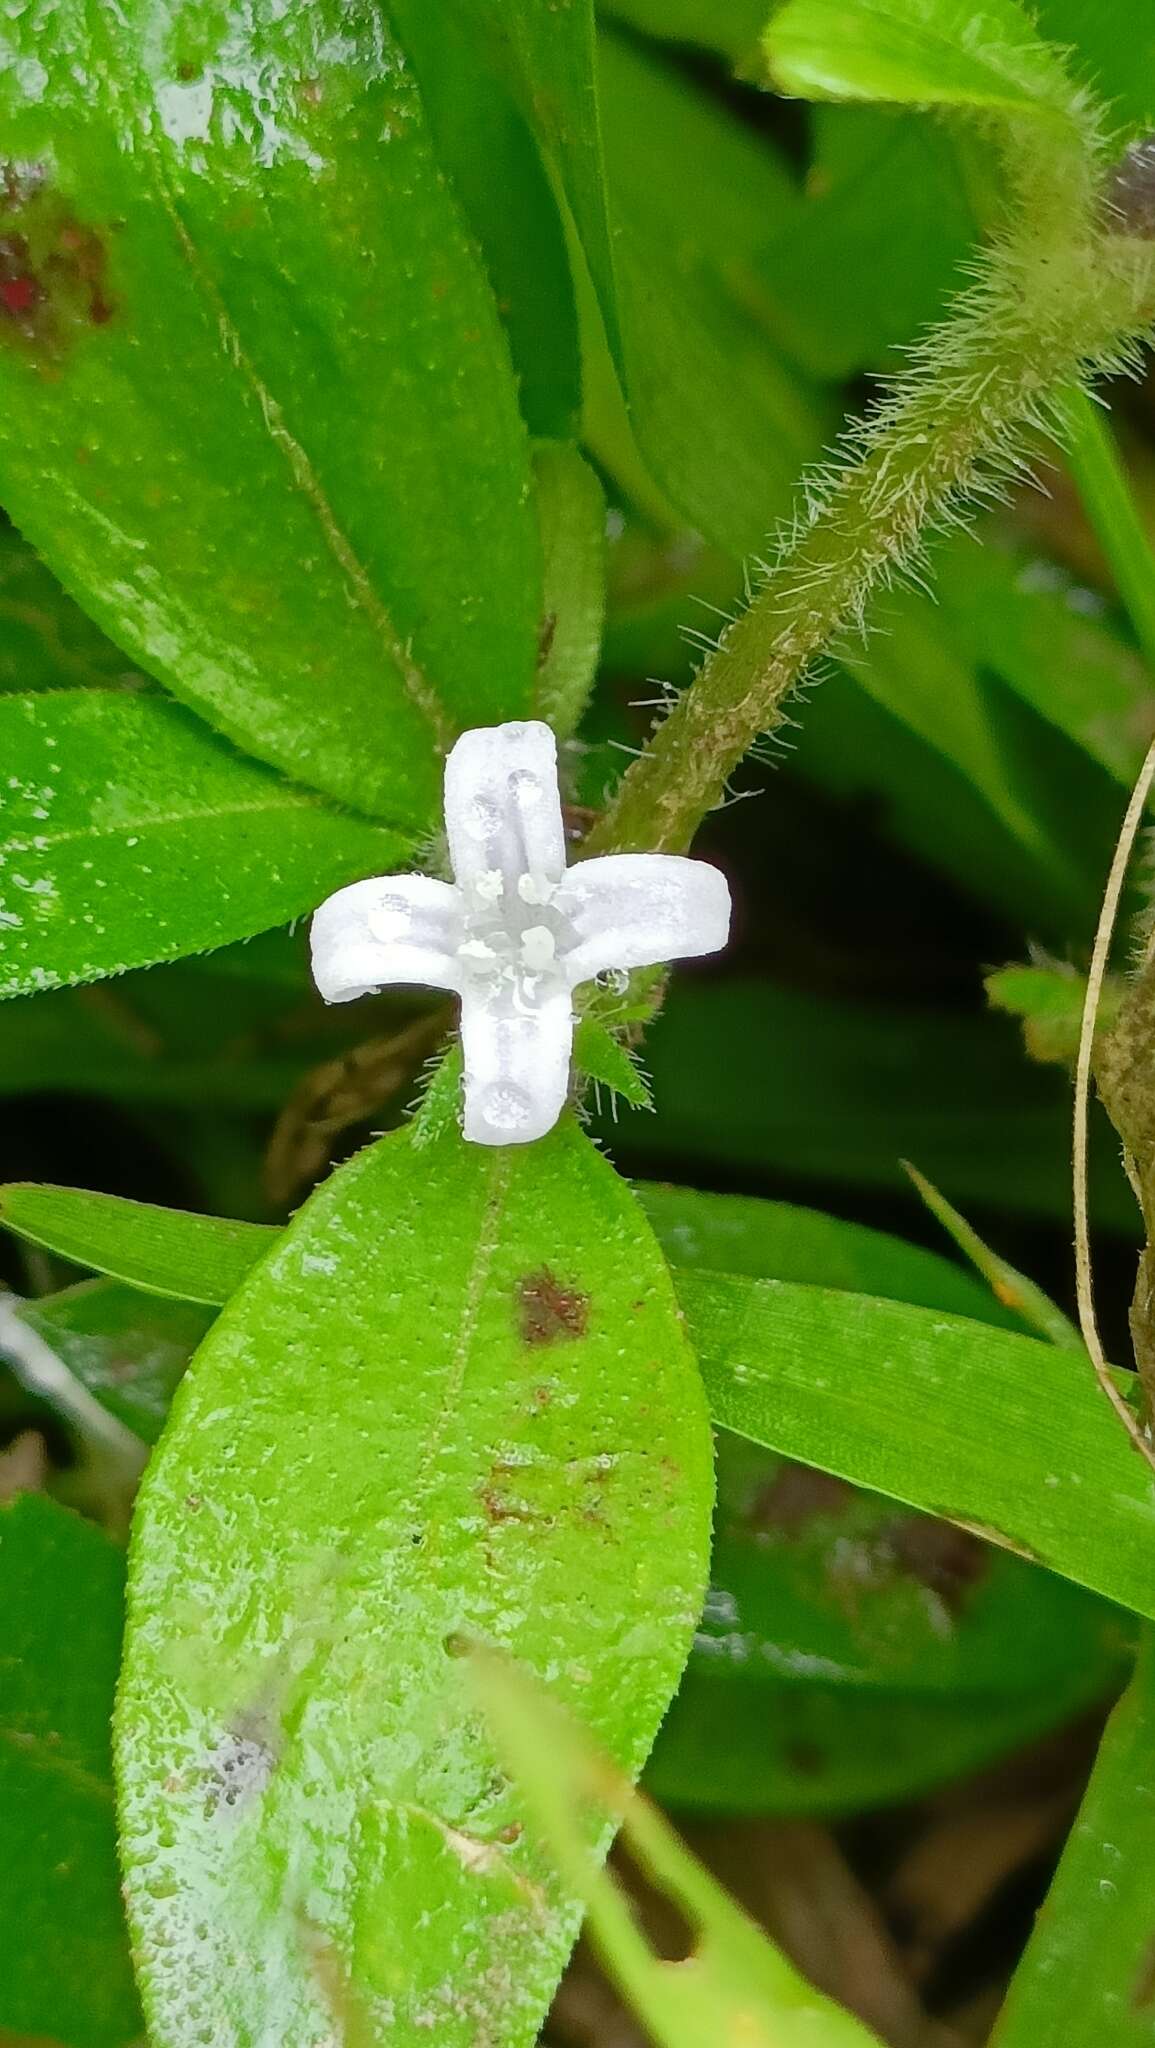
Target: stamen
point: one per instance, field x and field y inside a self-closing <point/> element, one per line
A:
<point x="538" y="947"/>
<point x="536" y="890"/>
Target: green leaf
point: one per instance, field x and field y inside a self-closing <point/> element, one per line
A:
<point x="923" y="52"/>
<point x="660" y="184"/>
<point x="855" y="1653"/>
<point x="780" y="1241"/>
<point x="840" y="1092"/>
<point x="722" y="422"/>
<point x="66" y="1975"/>
<point x="813" y="1579"/>
<point x="908" y="1402"/>
<point x="735" y="1989"/>
<point x="609" y="1064"/>
<point x="133" y="835"/>
<point x="572" y="513"/>
<point x="129" y="1349"/>
<point x="1086" y="1976"/>
<point x="257" y="408"/>
<point x="1113" y="43"/>
<point x="1016" y="1290"/>
<point x="813" y="1750"/>
<point x="46" y="642"/>
<point x="930" y="680"/>
<point x="161" y="1251"/>
<point x="488" y="149"/>
<point x="872" y="256"/>
<point x="453" y="1400"/>
<point x="1046" y="636"/>
<point x="1049" y="1002"/>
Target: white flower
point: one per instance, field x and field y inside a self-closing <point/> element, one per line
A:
<point x="517" y="931"/>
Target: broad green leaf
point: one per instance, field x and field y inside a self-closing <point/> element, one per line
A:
<point x="951" y="53"/>
<point x="780" y="1241"/>
<point x="66" y="1975"/>
<point x="734" y="1989"/>
<point x="46" y="641"/>
<point x="1086" y="1977"/>
<point x="572" y="513"/>
<point x="453" y="1401"/>
<point x="258" y="410"/>
<point x="745" y="1073"/>
<point x="910" y="1402"/>
<point x="162" y="1251"/>
<point x="127" y="1348"/>
<point x="132" y="834"/>
<point x="1015" y="1290"/>
<point x="486" y="146"/>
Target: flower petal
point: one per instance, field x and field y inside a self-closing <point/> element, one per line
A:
<point x="634" y="909"/>
<point x="516" y="1068"/>
<point x="395" y="929"/>
<point x="502" y="809"/>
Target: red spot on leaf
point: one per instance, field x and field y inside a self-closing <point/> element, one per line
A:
<point x="547" y="1311"/>
<point x="53" y="266"/>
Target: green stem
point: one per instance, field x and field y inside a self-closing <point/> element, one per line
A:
<point x="1093" y="460"/>
<point x="1061" y="296"/>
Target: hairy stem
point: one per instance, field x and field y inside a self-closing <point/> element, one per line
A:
<point x="1065" y="291"/>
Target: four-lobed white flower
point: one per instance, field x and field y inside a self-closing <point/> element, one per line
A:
<point x="517" y="930"/>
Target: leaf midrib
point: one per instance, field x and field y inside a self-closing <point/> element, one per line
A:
<point x="414" y="682"/>
<point x="288" y="800"/>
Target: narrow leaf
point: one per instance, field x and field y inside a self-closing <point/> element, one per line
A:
<point x="735" y="1989"/>
<point x="908" y="1402"/>
<point x="454" y="1400"/>
<point x="780" y="1241"/>
<point x="1088" y="1975"/>
<point x="572" y="513"/>
<point x="161" y="1251"/>
<point x="132" y="835"/>
<point x="1014" y="1289"/>
<point x="256" y="407"/>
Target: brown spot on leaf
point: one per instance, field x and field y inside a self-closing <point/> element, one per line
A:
<point x="53" y="266"/>
<point x="547" y="1311"/>
<point x="796" y="1496"/>
<point x="947" y="1561"/>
